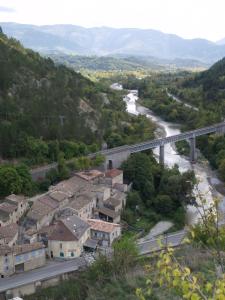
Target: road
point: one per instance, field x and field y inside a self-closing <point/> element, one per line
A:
<point x="157" y="230"/>
<point x="172" y="239"/>
<point x="53" y="269"/>
<point x="49" y="271"/>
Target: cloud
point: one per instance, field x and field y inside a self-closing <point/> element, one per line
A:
<point x="6" y="9"/>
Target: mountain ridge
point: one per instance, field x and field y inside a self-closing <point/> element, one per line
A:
<point x="101" y="41"/>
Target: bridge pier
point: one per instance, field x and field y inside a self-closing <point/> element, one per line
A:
<point x="192" y="149"/>
<point x="161" y="155"/>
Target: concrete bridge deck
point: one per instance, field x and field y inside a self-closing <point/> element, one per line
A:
<point x="220" y="127"/>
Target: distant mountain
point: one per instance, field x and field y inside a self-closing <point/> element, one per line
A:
<point x="124" y="63"/>
<point x="221" y="42"/>
<point x="103" y="41"/>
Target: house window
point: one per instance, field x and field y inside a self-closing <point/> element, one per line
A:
<point x="72" y="254"/>
<point x="61" y="254"/>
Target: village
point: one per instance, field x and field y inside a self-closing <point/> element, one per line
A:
<point x="76" y="216"/>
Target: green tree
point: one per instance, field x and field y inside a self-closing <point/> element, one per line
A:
<point x="10" y="181"/>
<point x="63" y="171"/>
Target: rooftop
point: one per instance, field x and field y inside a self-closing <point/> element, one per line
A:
<point x="99" y="188"/>
<point x="90" y="175"/>
<point x="69" y="229"/>
<point x="4" y="249"/>
<point x="7" y="207"/>
<point x="58" y="196"/>
<point x="20" y="249"/>
<point x="38" y="210"/>
<point x="16" y="198"/>
<point x="113" y="202"/>
<point x="81" y="201"/>
<point x="102" y="226"/>
<point x="47" y="200"/>
<point x="9" y="231"/>
<point x="113" y="173"/>
<point x="72" y="186"/>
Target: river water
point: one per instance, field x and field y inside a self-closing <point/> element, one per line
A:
<point x="207" y="180"/>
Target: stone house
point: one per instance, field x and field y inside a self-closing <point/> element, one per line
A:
<point x="42" y="212"/>
<point x="29" y="256"/>
<point x="20" y="201"/>
<point x="104" y="232"/>
<point x="21" y="258"/>
<point x="83" y="205"/>
<point x="9" y="234"/>
<point x="114" y="204"/>
<point x="107" y="214"/>
<point x="8" y="214"/>
<point x="67" y="239"/>
<point x="92" y="176"/>
<point x="6" y="261"/>
<point x="114" y="176"/>
<point x="102" y="192"/>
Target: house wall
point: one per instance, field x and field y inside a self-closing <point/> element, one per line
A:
<point x="106" y="238"/>
<point x="31" y="260"/>
<point x="67" y="247"/>
<point x="103" y="237"/>
<point x="35" y="263"/>
<point x="6" y="265"/>
<point x="87" y="211"/>
<point x="115" y="234"/>
<point x="45" y="221"/>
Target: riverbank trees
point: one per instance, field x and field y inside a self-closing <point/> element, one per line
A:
<point x="158" y="193"/>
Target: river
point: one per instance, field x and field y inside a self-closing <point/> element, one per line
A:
<point x="207" y="180"/>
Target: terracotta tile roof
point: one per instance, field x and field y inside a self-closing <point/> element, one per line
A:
<point x="69" y="229"/>
<point x="58" y="196"/>
<point x="8" y="208"/>
<point x="20" y="249"/>
<point x="47" y="229"/>
<point x="99" y="225"/>
<point x="8" y="232"/>
<point x="38" y="211"/>
<point x="4" y="249"/>
<point x="81" y="201"/>
<point x="48" y="201"/>
<point x="16" y="198"/>
<point x="90" y="175"/>
<point x="72" y="186"/>
<point x="113" y="173"/>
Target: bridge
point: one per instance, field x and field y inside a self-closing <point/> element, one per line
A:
<point x="115" y="156"/>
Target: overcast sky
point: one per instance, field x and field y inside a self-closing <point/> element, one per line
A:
<point x="187" y="18"/>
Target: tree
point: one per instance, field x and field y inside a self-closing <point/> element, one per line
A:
<point x="222" y="169"/>
<point x="163" y="205"/>
<point x="28" y="186"/>
<point x="10" y="181"/>
<point x="124" y="255"/>
<point x="62" y="168"/>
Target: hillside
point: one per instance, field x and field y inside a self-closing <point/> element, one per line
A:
<point x="124" y="63"/>
<point x="42" y="100"/>
<point x="210" y="86"/>
<point x="47" y="108"/>
<point x="102" y="41"/>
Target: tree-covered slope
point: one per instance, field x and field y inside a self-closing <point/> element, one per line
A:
<point x="40" y="99"/>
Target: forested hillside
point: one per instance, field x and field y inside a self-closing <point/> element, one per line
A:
<point x="40" y="99"/>
<point x="41" y="103"/>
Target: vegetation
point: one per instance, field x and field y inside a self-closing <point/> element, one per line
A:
<point x="105" y="279"/>
<point x="158" y="193"/>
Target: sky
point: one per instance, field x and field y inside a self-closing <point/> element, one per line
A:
<point x="186" y="18"/>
